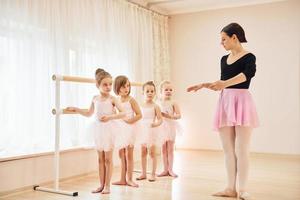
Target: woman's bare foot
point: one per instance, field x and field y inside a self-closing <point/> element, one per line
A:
<point x="226" y="193"/>
<point x="106" y="190"/>
<point x="244" y="196"/>
<point x="142" y="177"/>
<point x="132" y="184"/>
<point x="98" y="190"/>
<point x="152" y="178"/>
<point x="122" y="182"/>
<point x="164" y="173"/>
<point x="173" y="174"/>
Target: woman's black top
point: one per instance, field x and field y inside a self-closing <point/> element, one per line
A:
<point x="245" y="64"/>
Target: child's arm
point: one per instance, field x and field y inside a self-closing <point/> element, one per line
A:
<point x="83" y="112"/>
<point x="176" y="115"/>
<point x="118" y="115"/>
<point x="137" y="110"/>
<point x="158" y="117"/>
<point x="166" y="115"/>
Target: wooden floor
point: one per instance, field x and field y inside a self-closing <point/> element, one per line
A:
<point x="272" y="177"/>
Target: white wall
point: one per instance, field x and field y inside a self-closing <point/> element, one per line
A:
<point x="273" y="32"/>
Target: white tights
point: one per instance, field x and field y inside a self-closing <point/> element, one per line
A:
<point x="236" y="142"/>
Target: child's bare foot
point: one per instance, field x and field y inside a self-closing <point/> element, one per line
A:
<point x="142" y="177"/>
<point x="106" y="190"/>
<point x="122" y="182"/>
<point x="98" y="190"/>
<point x="164" y="173"/>
<point x="132" y="184"/>
<point x="152" y="178"/>
<point x="244" y="196"/>
<point x="226" y="193"/>
<point x="173" y="174"/>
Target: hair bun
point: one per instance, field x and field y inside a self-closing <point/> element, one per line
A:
<point x="99" y="70"/>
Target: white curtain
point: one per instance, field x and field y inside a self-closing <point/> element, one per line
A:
<point x="39" y="38"/>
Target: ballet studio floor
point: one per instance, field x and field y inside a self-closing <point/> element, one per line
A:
<point x="201" y="173"/>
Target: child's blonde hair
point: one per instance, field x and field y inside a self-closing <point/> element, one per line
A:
<point x="162" y="84"/>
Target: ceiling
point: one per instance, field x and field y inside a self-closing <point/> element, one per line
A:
<point x="173" y="7"/>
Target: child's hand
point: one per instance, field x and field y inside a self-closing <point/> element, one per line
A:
<point x="104" y="118"/>
<point x="127" y="121"/>
<point x="153" y="125"/>
<point x="175" y="116"/>
<point x="195" y="88"/>
<point x="72" y="109"/>
<point x="170" y="116"/>
<point x="165" y="114"/>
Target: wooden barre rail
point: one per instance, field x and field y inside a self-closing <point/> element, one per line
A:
<point x="65" y="111"/>
<point x="77" y="79"/>
<point x="83" y="79"/>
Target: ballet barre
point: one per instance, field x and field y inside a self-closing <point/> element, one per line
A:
<point x="83" y="79"/>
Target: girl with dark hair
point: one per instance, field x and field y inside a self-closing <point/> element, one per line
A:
<point x="133" y="112"/>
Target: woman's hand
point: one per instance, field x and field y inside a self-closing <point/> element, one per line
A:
<point x="218" y="85"/>
<point x="194" y="88"/>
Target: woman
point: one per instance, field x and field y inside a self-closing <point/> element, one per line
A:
<point x="236" y="114"/>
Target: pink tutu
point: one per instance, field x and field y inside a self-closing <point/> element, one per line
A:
<point x="133" y="131"/>
<point x="171" y="129"/>
<point x="123" y="133"/>
<point x="103" y="135"/>
<point x="147" y="135"/>
<point x="109" y="135"/>
<point x="235" y="108"/>
<point x="131" y="134"/>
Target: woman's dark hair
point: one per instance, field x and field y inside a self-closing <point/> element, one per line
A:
<point x="235" y="28"/>
<point x="119" y="82"/>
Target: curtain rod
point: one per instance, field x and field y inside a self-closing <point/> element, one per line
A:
<point x="146" y="8"/>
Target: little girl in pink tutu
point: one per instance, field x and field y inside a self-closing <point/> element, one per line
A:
<point x="171" y="127"/>
<point x="150" y="136"/>
<point x="133" y="112"/>
<point x="108" y="129"/>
